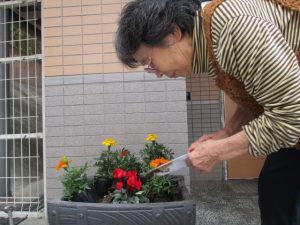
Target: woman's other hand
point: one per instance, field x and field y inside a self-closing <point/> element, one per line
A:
<point x="220" y="134"/>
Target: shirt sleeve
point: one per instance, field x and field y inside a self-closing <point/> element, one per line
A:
<point x="255" y="52"/>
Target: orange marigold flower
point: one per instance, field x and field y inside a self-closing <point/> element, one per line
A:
<point x="157" y="162"/>
<point x="124" y="153"/>
<point x="152" y="137"/>
<point x="63" y="163"/>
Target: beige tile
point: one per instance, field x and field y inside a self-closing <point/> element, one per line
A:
<point x="92" y="39"/>
<point x="53" y="41"/>
<point x="113" y="1"/>
<point x="108" y="38"/>
<point x="53" y="61"/>
<point x="110" y="18"/>
<point x="73" y="60"/>
<point x="53" y="51"/>
<point x="92" y="59"/>
<point x="91" y="2"/>
<point x="71" y="3"/>
<point x="109" y="28"/>
<point x="72" y="20"/>
<point x="111" y="8"/>
<point x="52" y="31"/>
<point x="53" y="71"/>
<point x="110" y="58"/>
<point x="91" y="10"/>
<point x="72" y="11"/>
<point x="73" y="70"/>
<point x="93" y="48"/>
<point x="92" y="68"/>
<point x="91" y="19"/>
<point x="52" y="22"/>
<point x="52" y="12"/>
<point x="109" y="48"/>
<point x="113" y="68"/>
<point x="72" y="30"/>
<point x="72" y="50"/>
<point x="72" y="40"/>
<point x="52" y="3"/>
<point x="124" y="2"/>
<point x="92" y="29"/>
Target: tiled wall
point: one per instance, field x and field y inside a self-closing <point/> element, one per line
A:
<point x="83" y="110"/>
<point x="90" y="95"/>
<point x="204" y="116"/>
<point x="79" y="36"/>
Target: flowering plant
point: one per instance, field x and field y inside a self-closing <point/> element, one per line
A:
<point x="154" y="153"/>
<point x="106" y="162"/>
<point x="161" y="187"/>
<point x="75" y="179"/>
<point x="128" y="187"/>
<point x="125" y="168"/>
<point x="110" y="159"/>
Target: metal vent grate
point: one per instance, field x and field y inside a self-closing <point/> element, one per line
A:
<point x="21" y="130"/>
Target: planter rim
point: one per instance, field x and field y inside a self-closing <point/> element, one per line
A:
<point x="122" y="205"/>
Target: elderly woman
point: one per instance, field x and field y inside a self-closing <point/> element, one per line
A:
<point x="253" y="47"/>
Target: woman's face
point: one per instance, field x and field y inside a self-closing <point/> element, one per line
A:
<point x="173" y="59"/>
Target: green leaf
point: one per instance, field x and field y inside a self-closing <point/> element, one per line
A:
<point x="117" y="195"/>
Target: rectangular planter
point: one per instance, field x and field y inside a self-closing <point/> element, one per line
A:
<point x="165" y="213"/>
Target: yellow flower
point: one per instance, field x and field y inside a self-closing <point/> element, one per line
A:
<point x="109" y="142"/>
<point x="152" y="137"/>
<point x="157" y="162"/>
<point x="63" y="163"/>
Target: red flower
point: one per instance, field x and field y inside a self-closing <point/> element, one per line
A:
<point x="119" y="173"/>
<point x="138" y="185"/>
<point x="119" y="185"/>
<point x="132" y="173"/>
<point x="134" y="183"/>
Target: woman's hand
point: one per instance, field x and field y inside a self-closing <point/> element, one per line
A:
<point x="202" y="155"/>
<point x="223" y="133"/>
<point x="206" y="154"/>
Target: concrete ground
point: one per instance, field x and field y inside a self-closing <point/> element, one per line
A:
<point x="218" y="203"/>
<point x="226" y="203"/>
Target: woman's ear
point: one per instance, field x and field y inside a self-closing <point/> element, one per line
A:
<point x="174" y="37"/>
<point x="177" y="34"/>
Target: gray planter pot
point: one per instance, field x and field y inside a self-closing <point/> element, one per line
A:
<point x="166" y="213"/>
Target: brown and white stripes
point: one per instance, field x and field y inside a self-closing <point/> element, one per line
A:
<point x="255" y="42"/>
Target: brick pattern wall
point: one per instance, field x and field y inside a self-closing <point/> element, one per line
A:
<point x="202" y="87"/>
<point x="79" y="36"/>
<point x="83" y="110"/>
<point x="204" y="116"/>
<point x="91" y="96"/>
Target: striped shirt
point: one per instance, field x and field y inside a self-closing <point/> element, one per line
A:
<point x="255" y="42"/>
